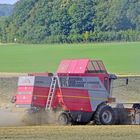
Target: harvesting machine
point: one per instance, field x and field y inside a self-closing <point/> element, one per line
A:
<point x="81" y="89"/>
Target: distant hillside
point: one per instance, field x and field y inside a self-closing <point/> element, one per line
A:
<point x="55" y="21"/>
<point x="6" y="9"/>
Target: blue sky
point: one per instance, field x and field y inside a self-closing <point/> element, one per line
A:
<point x="8" y="1"/>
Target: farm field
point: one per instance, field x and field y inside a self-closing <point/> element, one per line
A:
<point x="71" y="133"/>
<point x="119" y="58"/>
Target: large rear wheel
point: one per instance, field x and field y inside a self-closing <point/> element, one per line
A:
<point x="63" y="119"/>
<point x="105" y="115"/>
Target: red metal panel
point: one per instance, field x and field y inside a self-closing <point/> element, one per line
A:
<point x="76" y="99"/>
<point x="73" y="66"/>
<point x="78" y="107"/>
<point x="81" y="66"/>
<point x="42" y="91"/>
<point x="39" y="101"/>
<point x="63" y="67"/>
<point x="40" y="95"/>
<point x="74" y="92"/>
<point x="22" y="99"/>
<point x="25" y="89"/>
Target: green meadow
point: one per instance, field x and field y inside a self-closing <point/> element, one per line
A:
<point x="119" y="57"/>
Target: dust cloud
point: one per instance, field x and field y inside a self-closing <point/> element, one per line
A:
<point x="40" y="118"/>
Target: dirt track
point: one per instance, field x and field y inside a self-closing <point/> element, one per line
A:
<point x="10" y="116"/>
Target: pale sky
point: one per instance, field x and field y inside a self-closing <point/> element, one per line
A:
<point x="8" y="1"/>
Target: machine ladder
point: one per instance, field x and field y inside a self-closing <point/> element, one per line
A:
<point x="55" y="80"/>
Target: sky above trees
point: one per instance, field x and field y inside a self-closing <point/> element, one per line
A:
<point x="8" y="1"/>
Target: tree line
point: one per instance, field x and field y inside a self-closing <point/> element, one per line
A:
<point x="68" y="21"/>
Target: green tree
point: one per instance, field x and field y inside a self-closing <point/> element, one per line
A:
<point x="59" y="21"/>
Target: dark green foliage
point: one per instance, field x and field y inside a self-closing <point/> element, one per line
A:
<point x="60" y="21"/>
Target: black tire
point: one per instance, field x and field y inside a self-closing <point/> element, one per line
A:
<point x="105" y="115"/>
<point x="63" y="119"/>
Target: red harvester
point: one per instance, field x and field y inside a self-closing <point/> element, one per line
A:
<point x="81" y="88"/>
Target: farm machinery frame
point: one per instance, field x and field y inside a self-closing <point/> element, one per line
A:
<point x="81" y="89"/>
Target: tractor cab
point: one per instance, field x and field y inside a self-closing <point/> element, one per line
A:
<point x="86" y="67"/>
